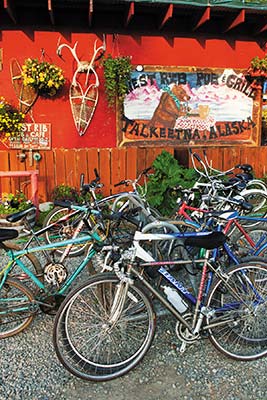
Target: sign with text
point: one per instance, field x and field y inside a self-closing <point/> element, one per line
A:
<point x="36" y="136"/>
<point x="193" y="106"/>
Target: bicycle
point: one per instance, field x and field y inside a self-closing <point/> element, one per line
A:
<point x="104" y="328"/>
<point x="237" y="188"/>
<point x="63" y="219"/>
<point x="18" y="303"/>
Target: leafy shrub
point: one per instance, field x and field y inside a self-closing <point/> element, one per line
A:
<point x="168" y="174"/>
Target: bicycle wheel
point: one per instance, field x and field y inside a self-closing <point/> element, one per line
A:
<point x="238" y="314"/>
<point x="63" y="223"/>
<point x="258" y="235"/>
<point x="258" y="199"/>
<point x="29" y="260"/>
<point x="92" y="348"/>
<point x="15" y="308"/>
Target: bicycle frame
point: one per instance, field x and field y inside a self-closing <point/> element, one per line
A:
<point x="232" y="223"/>
<point x="207" y="268"/>
<point x="16" y="254"/>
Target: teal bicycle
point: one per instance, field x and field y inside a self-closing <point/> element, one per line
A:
<point x="19" y="302"/>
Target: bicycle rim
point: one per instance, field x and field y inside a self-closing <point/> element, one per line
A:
<point x="240" y="308"/>
<point x="85" y="343"/>
<point x="15" y="306"/>
<point x="64" y="230"/>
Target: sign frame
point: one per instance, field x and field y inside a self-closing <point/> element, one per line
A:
<point x="137" y="132"/>
<point x="37" y="136"/>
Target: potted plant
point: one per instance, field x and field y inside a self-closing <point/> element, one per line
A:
<point x="47" y="79"/>
<point x="11" y="121"/>
<point x="117" y="73"/>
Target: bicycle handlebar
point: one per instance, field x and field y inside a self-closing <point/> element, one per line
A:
<point x="128" y="182"/>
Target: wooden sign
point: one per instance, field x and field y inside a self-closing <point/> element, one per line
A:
<point x="183" y="106"/>
<point x="35" y="137"/>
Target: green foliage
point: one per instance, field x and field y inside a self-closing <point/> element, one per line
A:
<point x="65" y="192"/>
<point x="168" y="174"/>
<point x="117" y="73"/>
<point x="11" y="203"/>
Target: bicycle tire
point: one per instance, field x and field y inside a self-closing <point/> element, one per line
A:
<point x="30" y="260"/>
<point x="258" y="199"/>
<point x="85" y="312"/>
<point x="63" y="230"/>
<point x="13" y="322"/>
<point x="258" y="233"/>
<point x="241" y="303"/>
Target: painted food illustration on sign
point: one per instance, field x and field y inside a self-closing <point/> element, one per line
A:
<point x="187" y="106"/>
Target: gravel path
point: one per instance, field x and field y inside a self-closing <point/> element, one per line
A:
<point x="30" y="371"/>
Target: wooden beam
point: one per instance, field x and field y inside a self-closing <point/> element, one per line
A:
<point x="130" y="14"/>
<point x="167" y="16"/>
<point x="262" y="28"/>
<point x="9" y="7"/>
<point x="204" y="18"/>
<point x="90" y="13"/>
<point x="51" y="12"/>
<point x="239" y="19"/>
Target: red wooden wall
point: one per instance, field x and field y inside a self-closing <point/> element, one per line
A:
<point x="148" y="50"/>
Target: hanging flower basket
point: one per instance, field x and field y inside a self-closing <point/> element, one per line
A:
<point x="47" y="79"/>
<point x="11" y="121"/>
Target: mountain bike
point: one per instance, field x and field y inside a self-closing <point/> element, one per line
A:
<point x="23" y="292"/>
<point x="104" y="328"/>
<point x="63" y="219"/>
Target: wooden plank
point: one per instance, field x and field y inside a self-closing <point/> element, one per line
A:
<point x="105" y="170"/>
<point x="5" y="183"/>
<point x="141" y="159"/>
<point x="60" y="169"/>
<point x="71" y="172"/>
<point x="42" y="178"/>
<point x="115" y="169"/>
<point x="81" y="165"/>
<point x="92" y="162"/>
<point x="131" y="163"/>
<point x="50" y="170"/>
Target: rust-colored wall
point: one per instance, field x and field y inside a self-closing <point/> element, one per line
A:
<point x="143" y="49"/>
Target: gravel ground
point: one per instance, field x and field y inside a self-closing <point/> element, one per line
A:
<point x="30" y="370"/>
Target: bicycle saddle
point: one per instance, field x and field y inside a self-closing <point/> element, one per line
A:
<point x="8" y="234"/>
<point x="208" y="241"/>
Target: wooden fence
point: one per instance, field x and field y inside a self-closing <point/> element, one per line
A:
<point x="65" y="165"/>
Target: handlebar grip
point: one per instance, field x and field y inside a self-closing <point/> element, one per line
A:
<point x="81" y="180"/>
<point x="204" y="153"/>
<point x="121" y="183"/>
<point x="96" y="174"/>
<point x="146" y="170"/>
<point x="197" y="157"/>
